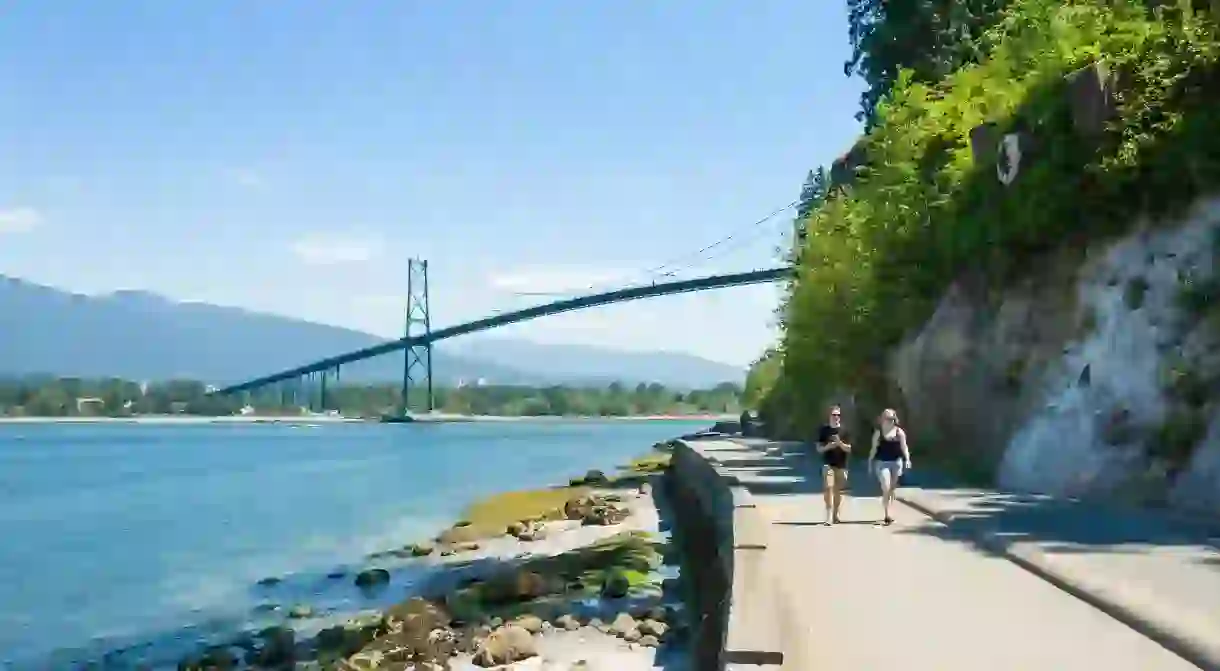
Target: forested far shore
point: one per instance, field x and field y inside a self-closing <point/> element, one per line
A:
<point x="76" y="397"/>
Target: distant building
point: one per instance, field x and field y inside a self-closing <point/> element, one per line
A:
<point x="88" y="405"/>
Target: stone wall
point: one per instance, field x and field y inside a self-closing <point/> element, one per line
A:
<point x="722" y="543"/>
<point x="705" y="544"/>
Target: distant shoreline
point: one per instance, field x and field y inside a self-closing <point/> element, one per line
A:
<point x="332" y="419"/>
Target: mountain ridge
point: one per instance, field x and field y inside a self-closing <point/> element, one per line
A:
<point x="141" y="335"/>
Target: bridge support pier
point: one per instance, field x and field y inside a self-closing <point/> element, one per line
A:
<point x="417" y="359"/>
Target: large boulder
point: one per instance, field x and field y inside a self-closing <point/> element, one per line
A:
<point x="593" y="510"/>
<point x="342" y="640"/>
<point x="623" y="625"/>
<point x="505" y="645"/>
<point x="514" y="586"/>
<point x="416" y="632"/>
<point x="416" y="613"/>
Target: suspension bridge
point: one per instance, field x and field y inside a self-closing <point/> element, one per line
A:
<point x="417" y="342"/>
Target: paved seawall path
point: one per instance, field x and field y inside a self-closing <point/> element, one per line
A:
<point x="971" y="579"/>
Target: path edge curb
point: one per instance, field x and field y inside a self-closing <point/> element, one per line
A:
<point x="1187" y="647"/>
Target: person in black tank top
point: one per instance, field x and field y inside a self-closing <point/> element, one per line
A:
<point x="889" y="457"/>
<point x="833" y="446"/>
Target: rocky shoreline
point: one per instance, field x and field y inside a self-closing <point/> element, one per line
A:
<point x="578" y="576"/>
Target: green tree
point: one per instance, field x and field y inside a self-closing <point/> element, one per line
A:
<point x="931" y="38"/>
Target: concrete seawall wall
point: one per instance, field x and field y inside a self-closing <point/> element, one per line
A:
<point x="723" y="540"/>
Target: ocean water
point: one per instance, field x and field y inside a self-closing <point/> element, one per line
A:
<point x="139" y="542"/>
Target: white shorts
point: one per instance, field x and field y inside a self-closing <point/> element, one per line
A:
<point x="894" y="468"/>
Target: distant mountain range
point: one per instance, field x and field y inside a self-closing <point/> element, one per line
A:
<point x="144" y="336"/>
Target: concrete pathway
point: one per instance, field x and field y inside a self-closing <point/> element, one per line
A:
<point x="914" y="596"/>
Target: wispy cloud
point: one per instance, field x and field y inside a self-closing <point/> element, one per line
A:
<point x="247" y="177"/>
<point x="556" y="280"/>
<point x="19" y="220"/>
<point x="328" y="249"/>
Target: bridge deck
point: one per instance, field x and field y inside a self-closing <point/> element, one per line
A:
<point x="917" y="595"/>
<point x="557" y="307"/>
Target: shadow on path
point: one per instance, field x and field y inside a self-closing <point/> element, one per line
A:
<point x="1057" y="525"/>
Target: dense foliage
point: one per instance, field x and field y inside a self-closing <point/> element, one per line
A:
<point x="59" y="397"/>
<point x="877" y="256"/>
<point x="929" y="38"/>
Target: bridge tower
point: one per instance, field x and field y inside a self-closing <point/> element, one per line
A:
<point x="417" y="359"/>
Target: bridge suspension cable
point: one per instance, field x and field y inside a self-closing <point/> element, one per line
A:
<point x="745" y="234"/>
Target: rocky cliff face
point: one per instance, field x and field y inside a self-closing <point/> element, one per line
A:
<point x="1095" y="377"/>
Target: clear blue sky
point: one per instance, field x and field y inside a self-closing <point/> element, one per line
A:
<point x="288" y="156"/>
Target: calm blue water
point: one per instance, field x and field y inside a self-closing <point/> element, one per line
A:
<point x="121" y="535"/>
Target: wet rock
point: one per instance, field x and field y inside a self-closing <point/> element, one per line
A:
<point x="590" y="510"/>
<point x="603" y="515"/>
<point x="422" y="549"/>
<point x="632" y="635"/>
<point x="372" y="577"/>
<point x="527" y="531"/>
<point x="300" y="611"/>
<point x="504" y="646"/>
<point x="270" y="582"/>
<point x="513" y="587"/>
<point x="216" y="659"/>
<point x="576" y="508"/>
<point x="596" y="477"/>
<point x="649" y="641"/>
<point x="342" y="640"/>
<point x="337" y="574"/>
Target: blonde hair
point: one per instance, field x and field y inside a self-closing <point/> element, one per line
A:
<point x="890" y="413"/>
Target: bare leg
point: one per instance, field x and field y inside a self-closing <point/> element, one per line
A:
<point x="839" y="481"/>
<point x="884" y="478"/>
<point x="828" y="491"/>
